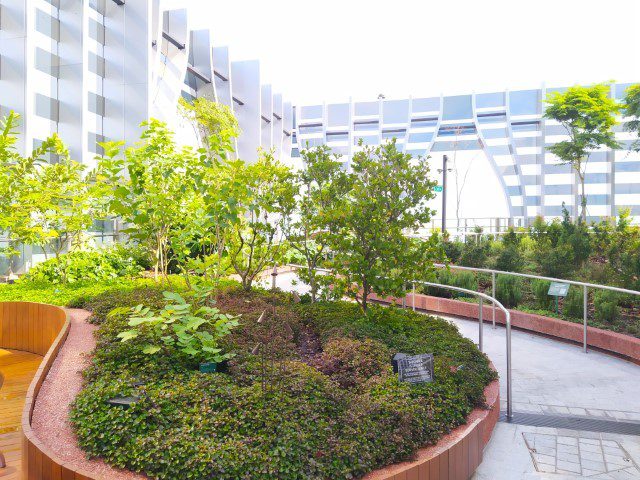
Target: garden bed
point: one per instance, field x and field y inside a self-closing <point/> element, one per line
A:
<point x="318" y="399"/>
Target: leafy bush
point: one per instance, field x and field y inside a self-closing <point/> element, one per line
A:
<point x="573" y="303"/>
<point x="474" y="254"/>
<point x="351" y="362"/>
<point x="606" y="305"/>
<point x="509" y="290"/>
<point x="333" y="425"/>
<point x="453" y="250"/>
<point x="541" y="293"/>
<point x="95" y="265"/>
<point x="510" y="259"/>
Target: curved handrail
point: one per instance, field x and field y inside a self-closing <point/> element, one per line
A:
<point x="482" y="296"/>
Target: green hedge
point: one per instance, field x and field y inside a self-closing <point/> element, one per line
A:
<point x="319" y="400"/>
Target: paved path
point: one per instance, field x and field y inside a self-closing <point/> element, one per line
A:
<point x="551" y="377"/>
<point x="16" y="372"/>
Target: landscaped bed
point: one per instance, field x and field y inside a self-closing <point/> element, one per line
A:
<point x="310" y="392"/>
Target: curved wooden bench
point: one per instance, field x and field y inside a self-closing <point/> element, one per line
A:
<point x="30" y="331"/>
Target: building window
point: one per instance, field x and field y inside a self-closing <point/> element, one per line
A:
<point x="47" y="107"/>
<point x="93" y="144"/>
<point x="338" y="114"/>
<point x="398" y="133"/>
<point x="492" y="117"/>
<point x="487" y="100"/>
<point x="96" y="31"/>
<point x="96" y="104"/>
<point x="420" y="137"/>
<point x="524" y="102"/>
<point x="525" y="126"/>
<point x="366" y="108"/>
<point x="457" y="107"/>
<point x="395" y="111"/>
<point x="314" y="111"/>
<point x="187" y="96"/>
<point x="47" y="62"/>
<point x="47" y="25"/>
<point x="423" y="122"/>
<point x="455" y="130"/>
<point x="310" y="128"/>
<point x="96" y="64"/>
<point x="364" y="126"/>
<point x="337" y="137"/>
<point x="98" y="5"/>
<point x="425" y="104"/>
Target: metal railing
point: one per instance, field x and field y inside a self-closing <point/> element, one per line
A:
<point x="585" y="290"/>
<point x="482" y="296"/>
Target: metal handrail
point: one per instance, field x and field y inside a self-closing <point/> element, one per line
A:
<point x="482" y="296"/>
<point x="585" y="290"/>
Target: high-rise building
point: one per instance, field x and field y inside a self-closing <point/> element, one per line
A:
<point x="507" y="126"/>
<point x="93" y="70"/>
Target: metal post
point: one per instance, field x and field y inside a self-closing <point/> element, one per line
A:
<point x="509" y="396"/>
<point x="413" y="296"/>
<point x="493" y="294"/>
<point x="274" y="274"/>
<point x="585" y="314"/>
<point x="444" y="194"/>
<point x="480" y="322"/>
<point x="404" y="297"/>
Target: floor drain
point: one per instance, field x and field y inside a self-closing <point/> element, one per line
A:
<point x="573" y="423"/>
<point x="579" y="455"/>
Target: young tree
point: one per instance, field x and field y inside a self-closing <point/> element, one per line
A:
<point x="154" y="189"/>
<point x="632" y="109"/>
<point x="320" y="186"/>
<point x="386" y="201"/>
<point x="588" y="114"/>
<point x="257" y="240"/>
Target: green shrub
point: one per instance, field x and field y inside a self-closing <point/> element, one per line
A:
<point x="322" y="426"/>
<point x="453" y="250"/>
<point x="474" y="254"/>
<point x="510" y="259"/>
<point x="508" y="290"/>
<point x="94" y="265"/>
<point x="606" y="305"/>
<point x="351" y="362"/>
<point x="573" y="303"/>
<point x="540" y="290"/>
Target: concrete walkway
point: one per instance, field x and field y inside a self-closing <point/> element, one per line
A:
<point x="551" y="377"/>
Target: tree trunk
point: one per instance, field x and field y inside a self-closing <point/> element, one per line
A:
<point x="365" y="294"/>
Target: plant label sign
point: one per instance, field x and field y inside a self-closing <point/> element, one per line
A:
<point x="416" y="368"/>
<point x="558" y="289"/>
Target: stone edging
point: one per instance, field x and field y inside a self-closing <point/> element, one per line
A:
<point x="608" y="341"/>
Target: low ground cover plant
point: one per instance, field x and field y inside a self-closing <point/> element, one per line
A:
<point x="310" y="392"/>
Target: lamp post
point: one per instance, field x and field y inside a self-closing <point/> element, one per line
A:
<point x="444" y="171"/>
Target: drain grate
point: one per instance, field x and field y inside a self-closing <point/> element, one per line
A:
<point x="570" y="422"/>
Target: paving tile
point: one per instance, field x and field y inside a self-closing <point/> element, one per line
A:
<point x="567" y="441"/>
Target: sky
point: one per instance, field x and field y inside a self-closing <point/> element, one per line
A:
<point x="333" y="50"/>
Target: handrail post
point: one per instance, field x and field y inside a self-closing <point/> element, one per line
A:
<point x="493" y="294"/>
<point x="585" y="315"/>
<point x="509" y="395"/>
<point x="413" y="295"/>
<point x="480" y="322"/>
<point x="404" y="296"/>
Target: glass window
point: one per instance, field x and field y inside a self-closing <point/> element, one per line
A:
<point x="96" y="31"/>
<point x="49" y="157"/>
<point x="399" y="133"/>
<point x="395" y="111"/>
<point x="96" y="104"/>
<point x="295" y="152"/>
<point x="94" y="140"/>
<point x="420" y="137"/>
<point x="310" y="128"/>
<point x="492" y="117"/>
<point x="366" y="108"/>
<point x="525" y="126"/>
<point x="337" y="137"/>
<point x="494" y="133"/>
<point x="524" y="102"/>
<point x="619" y="90"/>
<point x="187" y="96"/>
<point x="98" y="6"/>
<point x="417" y="153"/>
<point x="487" y="100"/>
<point x="47" y="62"/>
<point x="47" y="107"/>
<point x="366" y="140"/>
<point x="424" y="122"/>
<point x="457" y="107"/>
<point x="425" y="104"/>
<point x="454" y="130"/>
<point x="47" y="25"/>
<point x="96" y="64"/>
<point x="373" y="125"/>
<point x="314" y="111"/>
<point x="338" y="114"/>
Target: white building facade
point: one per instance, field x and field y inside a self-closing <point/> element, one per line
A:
<point x="508" y="127"/>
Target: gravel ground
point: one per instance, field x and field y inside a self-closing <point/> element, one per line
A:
<point x="51" y="414"/>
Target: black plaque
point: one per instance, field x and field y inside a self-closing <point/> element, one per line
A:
<point x="416" y="368"/>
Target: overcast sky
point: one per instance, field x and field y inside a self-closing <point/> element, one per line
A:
<point x="331" y="50"/>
